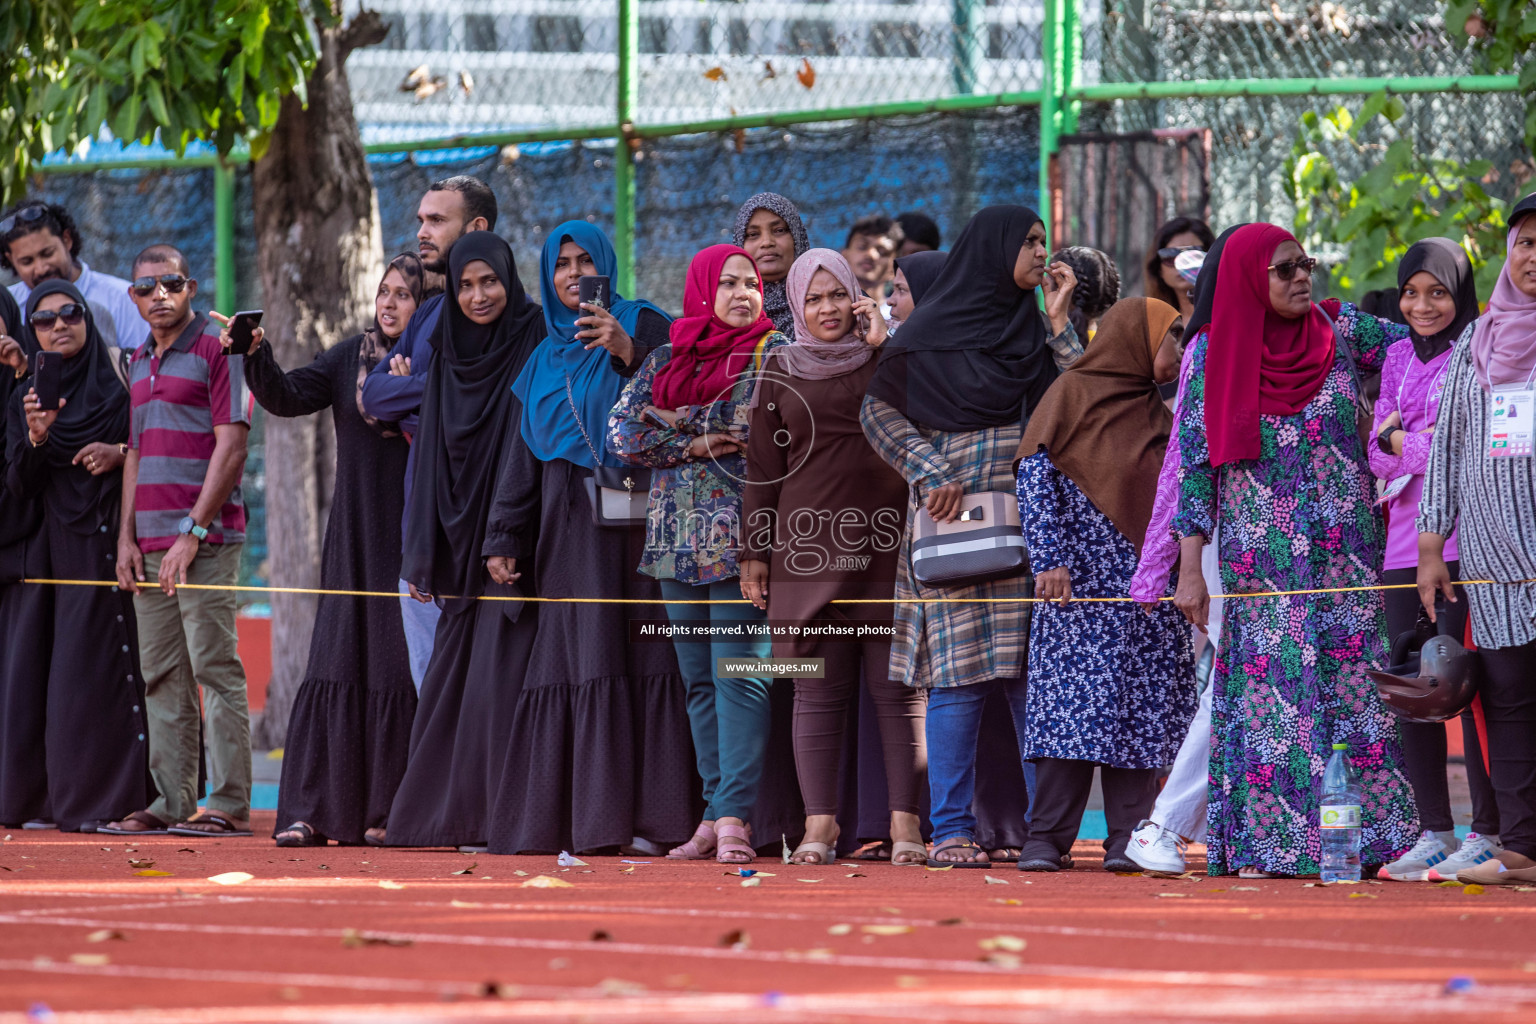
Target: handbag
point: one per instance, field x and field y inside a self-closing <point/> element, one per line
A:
<point x="984" y="543"/>
<point x="619" y="494"/>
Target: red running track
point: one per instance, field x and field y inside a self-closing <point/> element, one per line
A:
<point x="358" y="934"/>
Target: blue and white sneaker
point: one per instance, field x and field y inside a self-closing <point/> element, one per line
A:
<point x="1432" y="849"/>
<point x="1475" y="849"/>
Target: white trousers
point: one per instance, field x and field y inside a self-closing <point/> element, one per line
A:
<point x="1182" y="803"/>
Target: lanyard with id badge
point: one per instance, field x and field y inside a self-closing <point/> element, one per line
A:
<point x="1512" y="420"/>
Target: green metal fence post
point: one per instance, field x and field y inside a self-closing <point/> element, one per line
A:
<point x="1050" y="102"/>
<point x="623" y="156"/>
<point x="1070" y="60"/>
<point x="224" y="237"/>
<point x="966" y="41"/>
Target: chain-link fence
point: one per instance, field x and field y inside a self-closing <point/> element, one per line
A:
<point x="809" y="94"/>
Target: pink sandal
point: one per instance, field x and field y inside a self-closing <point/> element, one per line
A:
<point x="739" y="848"/>
<point x="700" y="847"/>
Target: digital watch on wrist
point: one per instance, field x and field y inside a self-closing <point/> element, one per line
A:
<point x="188" y="525"/>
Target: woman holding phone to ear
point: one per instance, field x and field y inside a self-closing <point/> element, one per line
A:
<point x="94" y="737"/>
<point x="350" y="725"/>
<point x="946" y="408"/>
<point x="597" y="711"/>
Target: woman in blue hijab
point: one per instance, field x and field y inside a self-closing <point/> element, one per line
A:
<point x="600" y="754"/>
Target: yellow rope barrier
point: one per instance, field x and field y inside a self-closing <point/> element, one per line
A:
<point x="658" y="601"/>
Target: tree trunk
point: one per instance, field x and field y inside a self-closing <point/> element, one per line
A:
<point x="319" y="252"/>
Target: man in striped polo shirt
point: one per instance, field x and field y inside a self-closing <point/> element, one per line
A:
<point x="183" y="521"/>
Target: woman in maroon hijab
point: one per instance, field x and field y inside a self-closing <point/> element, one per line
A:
<point x="1270" y="447"/>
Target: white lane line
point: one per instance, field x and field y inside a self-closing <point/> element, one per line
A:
<point x="734" y="915"/>
<point x="905" y="964"/>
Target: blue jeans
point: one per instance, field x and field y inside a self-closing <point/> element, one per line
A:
<point x="729" y="718"/>
<point x="420" y="621"/>
<point x="954" y="719"/>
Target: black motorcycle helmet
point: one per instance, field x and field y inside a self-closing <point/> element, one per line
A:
<point x="1430" y="680"/>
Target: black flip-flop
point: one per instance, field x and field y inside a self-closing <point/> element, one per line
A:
<point x="156" y="827"/>
<point x="307" y="836"/>
<point x="957" y="843"/>
<point x="226" y="828"/>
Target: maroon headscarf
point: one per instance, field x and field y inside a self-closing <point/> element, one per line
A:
<point x="1258" y="362"/>
<point x="704" y="366"/>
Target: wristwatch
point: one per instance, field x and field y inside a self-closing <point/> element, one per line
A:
<point x="189" y="525"/>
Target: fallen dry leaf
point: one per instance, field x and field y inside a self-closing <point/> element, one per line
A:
<point x="1171" y="895"/>
<point x="1448" y="883"/>
<point x="466" y="870"/>
<point x="1246" y="888"/>
<point x="140" y="863"/>
<point x="715" y="74"/>
<point x="952" y="920"/>
<point x="387" y="884"/>
<point x="106" y="935"/>
<point x="1472" y="890"/>
<point x="855" y="874"/>
<point x="946" y="867"/>
<point x="1002" y="959"/>
<point x="90" y="959"/>
<point x="619" y="987"/>
<point x="811" y="880"/>
<point x="886" y="929"/>
<point x="995" y="881"/>
<point x="232" y="878"/>
<point x="1008" y="943"/>
<point x="1010" y="903"/>
<point x="151" y="873"/>
<point x="601" y="936"/>
<point x="546" y="882"/>
<point x="1364" y="896"/>
<point x="736" y="939"/>
<point x="462" y="904"/>
<point x="749" y="883"/>
<point x="840" y="929"/>
<point x="806" y="76"/>
<point x="354" y="939"/>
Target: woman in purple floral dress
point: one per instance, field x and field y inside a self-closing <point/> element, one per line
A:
<point x="1270" y="447"/>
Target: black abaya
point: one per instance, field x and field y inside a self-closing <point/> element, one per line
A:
<point x="601" y="750"/>
<point x="464" y="448"/>
<point x="350" y="726"/>
<point x="94" y="731"/>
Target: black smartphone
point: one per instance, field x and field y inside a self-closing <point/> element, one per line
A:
<point x="242" y="331"/>
<point x="46" y="368"/>
<point x="595" y="289"/>
<point x="654" y="417"/>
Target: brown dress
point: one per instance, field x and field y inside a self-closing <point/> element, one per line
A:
<point x="828" y="515"/>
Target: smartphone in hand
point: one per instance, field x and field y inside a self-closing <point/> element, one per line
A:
<point x="242" y="331"/>
<point x="656" y="419"/>
<point x="46" y="370"/>
<point x="595" y="289"/>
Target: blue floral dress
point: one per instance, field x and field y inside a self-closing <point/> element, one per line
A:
<point x="1108" y="683"/>
<point x="1290" y="673"/>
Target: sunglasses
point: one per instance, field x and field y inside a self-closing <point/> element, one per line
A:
<point x="172" y="283"/>
<point x="73" y="315"/>
<point x="1171" y="254"/>
<point x="25" y="215"/>
<point x="1287" y="270"/>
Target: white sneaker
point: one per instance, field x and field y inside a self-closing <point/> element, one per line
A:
<point x="1432" y="850"/>
<point x="1475" y="849"/>
<point x="1157" y="849"/>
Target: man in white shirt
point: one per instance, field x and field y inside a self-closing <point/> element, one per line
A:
<point x="39" y="242"/>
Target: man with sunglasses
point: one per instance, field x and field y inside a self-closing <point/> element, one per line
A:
<point x="39" y="242"/>
<point x="183" y="522"/>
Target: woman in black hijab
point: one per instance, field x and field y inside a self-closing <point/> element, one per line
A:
<point x="26" y="612"/>
<point x="946" y="409"/>
<point x="94" y="734"/>
<point x="466" y="443"/>
<point x="351" y="721"/>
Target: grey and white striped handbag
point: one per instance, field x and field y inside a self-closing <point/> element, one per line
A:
<point x="984" y="543"/>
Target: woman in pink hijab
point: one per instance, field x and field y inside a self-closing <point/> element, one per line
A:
<point x="823" y="517"/>
<point x="1481" y="482"/>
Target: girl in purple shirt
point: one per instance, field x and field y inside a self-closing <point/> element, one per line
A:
<point x="1438" y="301"/>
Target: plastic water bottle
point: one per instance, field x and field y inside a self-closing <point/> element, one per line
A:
<point x="1340" y="814"/>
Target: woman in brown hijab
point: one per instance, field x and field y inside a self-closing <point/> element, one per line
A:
<point x="1110" y="685"/>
